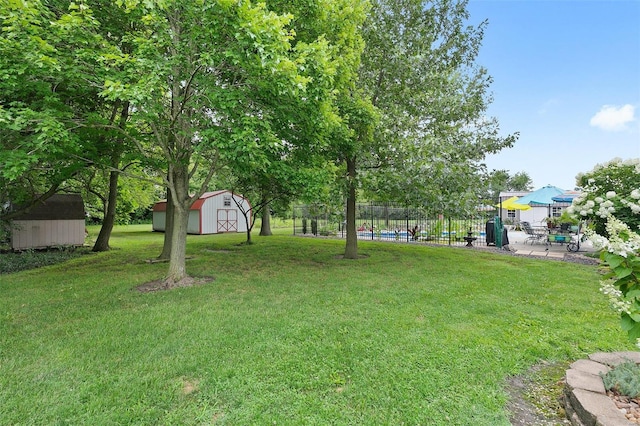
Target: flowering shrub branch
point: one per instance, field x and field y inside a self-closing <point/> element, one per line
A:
<point x="621" y="283"/>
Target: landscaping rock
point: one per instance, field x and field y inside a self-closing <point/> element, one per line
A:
<point x="614" y="358"/>
<point x="577" y="379"/>
<point x="596" y="409"/>
<point x="585" y="399"/>
<point x="591" y="367"/>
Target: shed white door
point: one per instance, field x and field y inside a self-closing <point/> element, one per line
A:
<point x="227" y="220"/>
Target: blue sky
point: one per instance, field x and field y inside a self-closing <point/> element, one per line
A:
<point x="567" y="77"/>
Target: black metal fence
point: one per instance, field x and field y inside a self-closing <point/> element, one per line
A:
<point x="391" y="223"/>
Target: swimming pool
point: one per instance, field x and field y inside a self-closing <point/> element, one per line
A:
<point x="392" y="235"/>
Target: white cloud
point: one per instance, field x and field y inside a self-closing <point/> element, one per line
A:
<point x="613" y="118"/>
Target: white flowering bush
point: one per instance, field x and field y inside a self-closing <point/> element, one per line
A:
<point x="621" y="283"/>
<point x="611" y="188"/>
<point x="611" y="201"/>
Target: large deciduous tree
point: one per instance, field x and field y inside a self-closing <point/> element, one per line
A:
<point x="298" y="167"/>
<point x="207" y="81"/>
<point x="350" y="133"/>
<point x="349" y="130"/>
<point x="419" y="71"/>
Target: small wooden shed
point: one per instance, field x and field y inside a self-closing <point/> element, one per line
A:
<point x="213" y="213"/>
<point x="57" y="221"/>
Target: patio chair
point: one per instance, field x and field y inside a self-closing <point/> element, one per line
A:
<point x="534" y="235"/>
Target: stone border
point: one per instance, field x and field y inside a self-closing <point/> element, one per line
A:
<point x="585" y="399"/>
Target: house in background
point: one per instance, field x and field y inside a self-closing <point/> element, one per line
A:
<point x="56" y="221"/>
<point x="511" y="216"/>
<point x="213" y="213"/>
<point x="538" y="212"/>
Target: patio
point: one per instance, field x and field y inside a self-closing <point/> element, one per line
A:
<point x="553" y="250"/>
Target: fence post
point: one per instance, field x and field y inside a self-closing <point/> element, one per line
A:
<point x="372" y="234"/>
<point x="406" y="218"/>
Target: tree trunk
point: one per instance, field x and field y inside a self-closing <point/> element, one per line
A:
<point x="265" y="226"/>
<point x="102" y="242"/>
<point x="249" y="225"/>
<point x="179" y="176"/>
<point x="351" y="249"/>
<point x="117" y="148"/>
<point x="177" y="256"/>
<point x="168" y="228"/>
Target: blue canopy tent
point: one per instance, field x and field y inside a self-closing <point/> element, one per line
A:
<point x="566" y="197"/>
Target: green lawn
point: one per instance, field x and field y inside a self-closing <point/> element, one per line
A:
<point x="289" y="334"/>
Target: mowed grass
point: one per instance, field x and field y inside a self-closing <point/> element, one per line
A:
<point x="289" y="333"/>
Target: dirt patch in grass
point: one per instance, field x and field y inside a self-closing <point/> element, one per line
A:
<point x="189" y="386"/>
<point x="163" y="284"/>
<point x="534" y="397"/>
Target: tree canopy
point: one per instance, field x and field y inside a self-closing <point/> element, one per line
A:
<point x="215" y="84"/>
<point x="272" y="98"/>
<point x="500" y="180"/>
<point x="39" y="98"/>
<point x="418" y="70"/>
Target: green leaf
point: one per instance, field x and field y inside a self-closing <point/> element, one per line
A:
<point x="634" y="332"/>
<point x="633" y="293"/>
<point x="613" y="260"/>
<point x="622" y="271"/>
<point x="626" y="322"/>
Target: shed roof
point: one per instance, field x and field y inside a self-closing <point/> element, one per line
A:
<point x="197" y="205"/>
<point x="56" y="207"/>
<point x="161" y="205"/>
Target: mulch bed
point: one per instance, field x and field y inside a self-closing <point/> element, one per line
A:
<point x="159" y="285"/>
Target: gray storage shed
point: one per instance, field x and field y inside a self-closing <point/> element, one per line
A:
<point x="56" y="221"/>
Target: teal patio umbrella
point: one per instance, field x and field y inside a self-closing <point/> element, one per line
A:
<point x="541" y="196"/>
